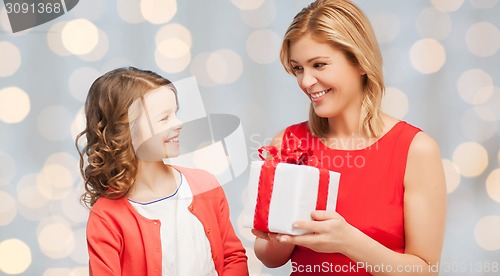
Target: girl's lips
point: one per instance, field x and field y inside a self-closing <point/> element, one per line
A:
<point x="174" y="139"/>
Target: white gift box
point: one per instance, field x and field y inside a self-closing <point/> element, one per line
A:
<point x="293" y="197"/>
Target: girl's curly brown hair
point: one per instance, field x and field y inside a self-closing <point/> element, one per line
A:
<point x="111" y="165"/>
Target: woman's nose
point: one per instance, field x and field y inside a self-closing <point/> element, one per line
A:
<point x="308" y="79"/>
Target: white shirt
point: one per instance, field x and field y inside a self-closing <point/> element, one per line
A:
<point x="185" y="247"/>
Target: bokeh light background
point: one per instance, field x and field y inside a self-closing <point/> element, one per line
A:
<point x="442" y="68"/>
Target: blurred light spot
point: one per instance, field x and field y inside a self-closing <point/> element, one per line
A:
<point x="79" y="253"/>
<point x="11" y="59"/>
<point x="72" y="207"/>
<point x="174" y="31"/>
<point x="493" y="185"/>
<point x="32" y="206"/>
<point x="386" y="26"/>
<point x="66" y="160"/>
<point x="77" y="126"/>
<point x="486" y="233"/>
<point x="395" y="103"/>
<point x="452" y="175"/>
<point x="447" y="5"/>
<point x="129" y="11"/>
<point x="489" y="110"/>
<point x="475" y="128"/>
<point x="260" y="17"/>
<point x="433" y="23"/>
<point x="427" y="56"/>
<point x="57" y="271"/>
<point x="54" y="123"/>
<point x="199" y="70"/>
<point x="54" y="182"/>
<point x="80" y="271"/>
<point x="263" y="46"/>
<point x="4" y="20"/>
<point x="247" y="4"/>
<point x="243" y="231"/>
<point x="483" y="39"/>
<point x="80" y="80"/>
<point x="172" y="65"/>
<point x="393" y="58"/>
<point x="211" y="158"/>
<point x="471" y="159"/>
<point x="54" y="39"/>
<point x="15" y="256"/>
<point x="113" y="63"/>
<point x="7" y="168"/>
<point x="483" y="4"/>
<point x="475" y="86"/>
<point x="224" y="66"/>
<point x="80" y="36"/>
<point x="9" y="210"/>
<point x="99" y="50"/>
<point x="91" y="10"/>
<point x="158" y="11"/>
<point x="14" y="105"/>
<point x="55" y="237"/>
<point x="28" y="193"/>
<point x="172" y="48"/>
<point x="254" y="264"/>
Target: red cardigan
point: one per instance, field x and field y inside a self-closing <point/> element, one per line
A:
<point x="122" y="242"/>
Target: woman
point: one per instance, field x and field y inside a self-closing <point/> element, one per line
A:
<point x="390" y="213"/>
<point x="147" y="218"/>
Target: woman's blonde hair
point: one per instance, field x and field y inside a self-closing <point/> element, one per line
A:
<point x="111" y="165"/>
<point x="346" y="27"/>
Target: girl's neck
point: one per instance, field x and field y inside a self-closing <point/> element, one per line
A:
<point x="153" y="180"/>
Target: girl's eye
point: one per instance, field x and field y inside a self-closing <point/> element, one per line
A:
<point x="164" y="118"/>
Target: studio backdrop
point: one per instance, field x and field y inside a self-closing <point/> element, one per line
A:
<point x="442" y="73"/>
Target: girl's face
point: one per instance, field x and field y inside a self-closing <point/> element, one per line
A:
<point x="330" y="80"/>
<point x="155" y="132"/>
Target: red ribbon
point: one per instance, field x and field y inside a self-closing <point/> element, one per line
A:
<point x="292" y="152"/>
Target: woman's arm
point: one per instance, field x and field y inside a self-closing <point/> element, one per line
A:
<point x="267" y="248"/>
<point x="424" y="213"/>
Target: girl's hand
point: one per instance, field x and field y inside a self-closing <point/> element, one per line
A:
<point x="330" y="233"/>
<point x="272" y="237"/>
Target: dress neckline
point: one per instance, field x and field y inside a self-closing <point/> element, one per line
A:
<point x="382" y="138"/>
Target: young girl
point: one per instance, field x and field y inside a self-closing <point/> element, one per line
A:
<point x="390" y="212"/>
<point x="147" y="218"/>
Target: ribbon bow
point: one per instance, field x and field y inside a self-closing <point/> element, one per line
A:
<point x="292" y="152"/>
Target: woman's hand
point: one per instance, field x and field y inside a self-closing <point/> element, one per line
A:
<point x="330" y="233"/>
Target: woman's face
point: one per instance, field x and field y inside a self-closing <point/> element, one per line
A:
<point x="155" y="132"/>
<point x="330" y="80"/>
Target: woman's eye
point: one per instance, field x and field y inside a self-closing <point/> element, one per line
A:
<point x="319" y="65"/>
<point x="297" y="68"/>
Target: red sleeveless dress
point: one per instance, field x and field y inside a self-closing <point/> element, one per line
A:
<point x="370" y="197"/>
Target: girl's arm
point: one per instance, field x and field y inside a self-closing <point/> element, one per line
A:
<point x="103" y="247"/>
